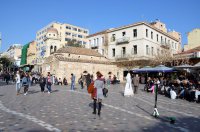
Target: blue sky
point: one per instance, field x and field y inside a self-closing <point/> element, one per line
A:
<point x="20" y="19"/>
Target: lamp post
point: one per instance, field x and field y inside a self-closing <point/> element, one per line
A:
<point x="155" y="112"/>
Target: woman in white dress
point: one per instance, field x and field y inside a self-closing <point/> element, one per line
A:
<point x="128" y="88"/>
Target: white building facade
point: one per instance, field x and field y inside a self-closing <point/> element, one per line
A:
<point x="62" y="34"/>
<point x="140" y="41"/>
<point x="14" y="52"/>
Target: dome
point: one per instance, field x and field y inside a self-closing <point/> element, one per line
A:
<point x="52" y="30"/>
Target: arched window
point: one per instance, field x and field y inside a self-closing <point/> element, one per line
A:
<point x="51" y="49"/>
<point x="55" y="48"/>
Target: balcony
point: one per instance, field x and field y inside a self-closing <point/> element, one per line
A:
<point x="123" y="40"/>
<point x="94" y="47"/>
<point x="165" y="46"/>
<point x="122" y="57"/>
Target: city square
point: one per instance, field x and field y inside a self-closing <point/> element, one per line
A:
<point x="99" y="66"/>
<point x="66" y="110"/>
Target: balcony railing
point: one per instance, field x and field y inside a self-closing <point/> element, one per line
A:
<point x="123" y="40"/>
<point x="94" y="47"/>
<point x="123" y="57"/>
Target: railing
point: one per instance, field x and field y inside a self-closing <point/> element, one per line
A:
<point x="123" y="40"/>
<point x="122" y="57"/>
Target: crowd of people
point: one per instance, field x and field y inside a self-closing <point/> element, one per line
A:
<point x="181" y="87"/>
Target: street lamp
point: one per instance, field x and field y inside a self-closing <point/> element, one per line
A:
<point x="155" y="112"/>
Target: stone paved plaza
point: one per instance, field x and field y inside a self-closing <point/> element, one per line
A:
<point x="71" y="111"/>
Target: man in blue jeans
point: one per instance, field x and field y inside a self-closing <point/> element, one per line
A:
<point x="49" y="82"/>
<point x="72" y="81"/>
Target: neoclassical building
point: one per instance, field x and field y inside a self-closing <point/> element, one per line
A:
<point x="138" y="41"/>
<point x="76" y="60"/>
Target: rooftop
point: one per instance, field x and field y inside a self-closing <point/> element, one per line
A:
<point x="79" y="51"/>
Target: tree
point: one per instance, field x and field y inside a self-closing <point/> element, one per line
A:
<point x="5" y="62"/>
<point x="74" y="43"/>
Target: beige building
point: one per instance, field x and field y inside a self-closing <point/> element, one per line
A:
<point x="62" y="33"/>
<point x="193" y="39"/>
<point x="31" y="53"/>
<point x="77" y="60"/>
<point x="138" y="41"/>
<point x="14" y="52"/>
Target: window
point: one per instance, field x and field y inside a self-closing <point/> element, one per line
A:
<point x="147" y="49"/>
<point x="97" y="41"/>
<point x="134" y="32"/>
<point x="165" y="40"/>
<point x="80" y="36"/>
<point x="168" y="41"/>
<point x="175" y="45"/>
<point x="94" y="41"/>
<point x="113" y="52"/>
<point x="152" y="50"/>
<point x="79" y="30"/>
<point x="123" y="33"/>
<point x="74" y="35"/>
<point x="113" y="38"/>
<point x="67" y="39"/>
<point x="172" y="44"/>
<point x="67" y="33"/>
<point x="75" y="29"/>
<point x="161" y="39"/>
<point x="151" y="35"/>
<point x="102" y="40"/>
<point x="147" y="33"/>
<point x="85" y="32"/>
<point x="84" y="42"/>
<point x="123" y="51"/>
<point x="67" y="27"/>
<point x="134" y="49"/>
<point x="90" y="42"/>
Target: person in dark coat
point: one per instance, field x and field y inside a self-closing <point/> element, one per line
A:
<point x="42" y="81"/>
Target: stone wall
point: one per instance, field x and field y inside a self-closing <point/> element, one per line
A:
<point x="63" y="69"/>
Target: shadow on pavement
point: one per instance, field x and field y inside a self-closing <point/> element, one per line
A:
<point x="183" y="124"/>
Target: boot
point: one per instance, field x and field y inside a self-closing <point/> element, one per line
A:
<point x="94" y="106"/>
<point x="99" y="110"/>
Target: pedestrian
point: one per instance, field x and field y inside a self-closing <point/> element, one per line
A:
<point x="65" y="81"/>
<point x="72" y="81"/>
<point x="88" y="80"/>
<point x="25" y="83"/>
<point x="80" y="81"/>
<point x="136" y="80"/>
<point x="18" y="85"/>
<point x="98" y="96"/>
<point x="42" y="82"/>
<point x="108" y="82"/>
<point x="59" y="81"/>
<point x="7" y="77"/>
<point x="49" y="82"/>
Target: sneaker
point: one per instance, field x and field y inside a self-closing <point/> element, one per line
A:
<point x="49" y="92"/>
<point x="25" y="94"/>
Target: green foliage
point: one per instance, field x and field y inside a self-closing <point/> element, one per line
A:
<point x="5" y="62"/>
<point x="74" y="43"/>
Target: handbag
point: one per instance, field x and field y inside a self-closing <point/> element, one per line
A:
<point x="105" y="92"/>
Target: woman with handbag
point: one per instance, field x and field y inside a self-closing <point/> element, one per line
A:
<point x="98" y="85"/>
